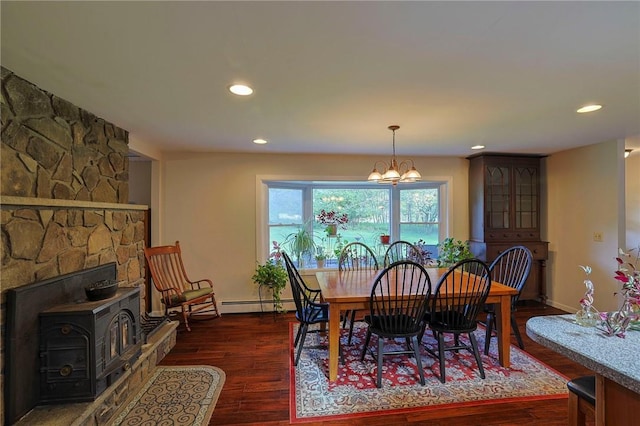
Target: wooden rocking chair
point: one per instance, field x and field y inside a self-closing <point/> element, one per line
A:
<point x="170" y="279"/>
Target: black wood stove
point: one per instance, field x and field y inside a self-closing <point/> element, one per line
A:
<point x="61" y="347"/>
<point x="86" y="345"/>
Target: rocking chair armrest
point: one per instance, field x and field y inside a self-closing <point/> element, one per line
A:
<point x="198" y="284"/>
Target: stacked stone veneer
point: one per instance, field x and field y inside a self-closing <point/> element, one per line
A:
<point x="64" y="193"/>
<point x="53" y="149"/>
<point x="71" y="167"/>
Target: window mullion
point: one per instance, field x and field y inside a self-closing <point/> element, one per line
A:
<point x="394" y="199"/>
<point x="307" y="207"/>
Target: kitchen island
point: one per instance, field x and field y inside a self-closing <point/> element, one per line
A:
<point x="614" y="360"/>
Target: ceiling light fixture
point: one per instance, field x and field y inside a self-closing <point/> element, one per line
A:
<point x="240" y="90"/>
<point x="394" y="172"/>
<point x="477" y="147"/>
<point x="259" y="141"/>
<point x="627" y="152"/>
<point x="588" y="108"/>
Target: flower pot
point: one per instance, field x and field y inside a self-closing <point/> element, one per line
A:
<point x="384" y="239"/>
<point x="320" y="263"/>
<point x="332" y="230"/>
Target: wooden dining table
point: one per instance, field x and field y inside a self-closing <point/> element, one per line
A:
<point x="351" y="290"/>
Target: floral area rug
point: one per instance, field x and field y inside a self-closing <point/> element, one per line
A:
<point x="175" y="396"/>
<point x="354" y="393"/>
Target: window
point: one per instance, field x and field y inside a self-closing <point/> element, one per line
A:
<point x="412" y="213"/>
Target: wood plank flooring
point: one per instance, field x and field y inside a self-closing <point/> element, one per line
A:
<point x="253" y="349"/>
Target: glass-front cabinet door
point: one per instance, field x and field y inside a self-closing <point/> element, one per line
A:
<point x="526" y="197"/>
<point x="511" y="197"/>
<point x="498" y="197"/>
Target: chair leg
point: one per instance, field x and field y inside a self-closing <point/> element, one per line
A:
<point x="491" y="319"/>
<point x="441" y="356"/>
<point x="416" y="351"/>
<point x="304" y="336"/>
<point x="298" y="334"/>
<point x="344" y="319"/>
<point x="185" y="315"/>
<point x="476" y="353"/>
<point x="514" y="326"/>
<point x="576" y="417"/>
<point x="353" y="320"/>
<point x="380" y="356"/>
<point x="366" y="344"/>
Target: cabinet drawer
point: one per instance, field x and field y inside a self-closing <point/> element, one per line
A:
<point x="507" y="235"/>
<point x="538" y="249"/>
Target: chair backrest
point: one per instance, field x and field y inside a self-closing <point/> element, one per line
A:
<point x="460" y="296"/>
<point x="399" y="298"/>
<point x="357" y="256"/>
<point x="167" y="269"/>
<point x="402" y="250"/>
<point x="306" y="299"/>
<point x="512" y="268"/>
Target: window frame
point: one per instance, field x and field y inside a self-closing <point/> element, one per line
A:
<point x="264" y="182"/>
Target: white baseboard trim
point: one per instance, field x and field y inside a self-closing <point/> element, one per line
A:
<point x="570" y="309"/>
<point x="251" y="306"/>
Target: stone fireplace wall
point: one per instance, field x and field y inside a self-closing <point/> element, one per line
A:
<point x="64" y="193"/>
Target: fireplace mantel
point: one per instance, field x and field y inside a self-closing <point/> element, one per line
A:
<point x="11" y="201"/>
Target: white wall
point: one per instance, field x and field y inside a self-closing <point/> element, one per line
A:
<point x="209" y="205"/>
<point x="632" y="197"/>
<point x="140" y="182"/>
<point x="584" y="195"/>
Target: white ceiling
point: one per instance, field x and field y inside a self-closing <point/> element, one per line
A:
<point x="329" y="77"/>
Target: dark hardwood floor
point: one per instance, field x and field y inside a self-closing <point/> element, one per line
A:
<point x="253" y="350"/>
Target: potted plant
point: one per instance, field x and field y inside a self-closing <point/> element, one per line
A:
<point x="452" y="251"/>
<point x="332" y="220"/>
<point x="420" y="253"/>
<point x="321" y="256"/>
<point x="272" y="275"/>
<point x="300" y="244"/>
<point x="384" y="239"/>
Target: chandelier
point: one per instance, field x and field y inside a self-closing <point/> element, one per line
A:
<point x="394" y="172"/>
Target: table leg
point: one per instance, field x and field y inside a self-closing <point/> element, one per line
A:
<point x="334" y="341"/>
<point x="504" y="331"/>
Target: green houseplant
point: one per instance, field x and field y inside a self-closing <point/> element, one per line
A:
<point x="452" y="251"/>
<point x="272" y="274"/>
<point x="301" y="244"/>
<point x="321" y="256"/>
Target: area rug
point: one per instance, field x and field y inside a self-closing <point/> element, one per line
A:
<point x="174" y="396"/>
<point x="354" y="393"/>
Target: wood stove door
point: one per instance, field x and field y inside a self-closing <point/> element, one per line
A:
<point x="120" y="339"/>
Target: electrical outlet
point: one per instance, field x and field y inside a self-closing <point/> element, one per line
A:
<point x="597" y="236"/>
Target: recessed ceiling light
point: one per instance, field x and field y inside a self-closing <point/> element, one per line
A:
<point x="477" y="147"/>
<point x="240" y="90"/>
<point x="589" y="108"/>
<point x="259" y="141"/>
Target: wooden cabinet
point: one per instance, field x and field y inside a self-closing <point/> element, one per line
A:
<point x="504" y="202"/>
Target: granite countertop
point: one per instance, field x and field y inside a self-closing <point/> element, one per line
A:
<point x="615" y="358"/>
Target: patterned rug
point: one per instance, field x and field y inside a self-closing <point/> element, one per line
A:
<point x="354" y="394"/>
<point x="175" y="396"/>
